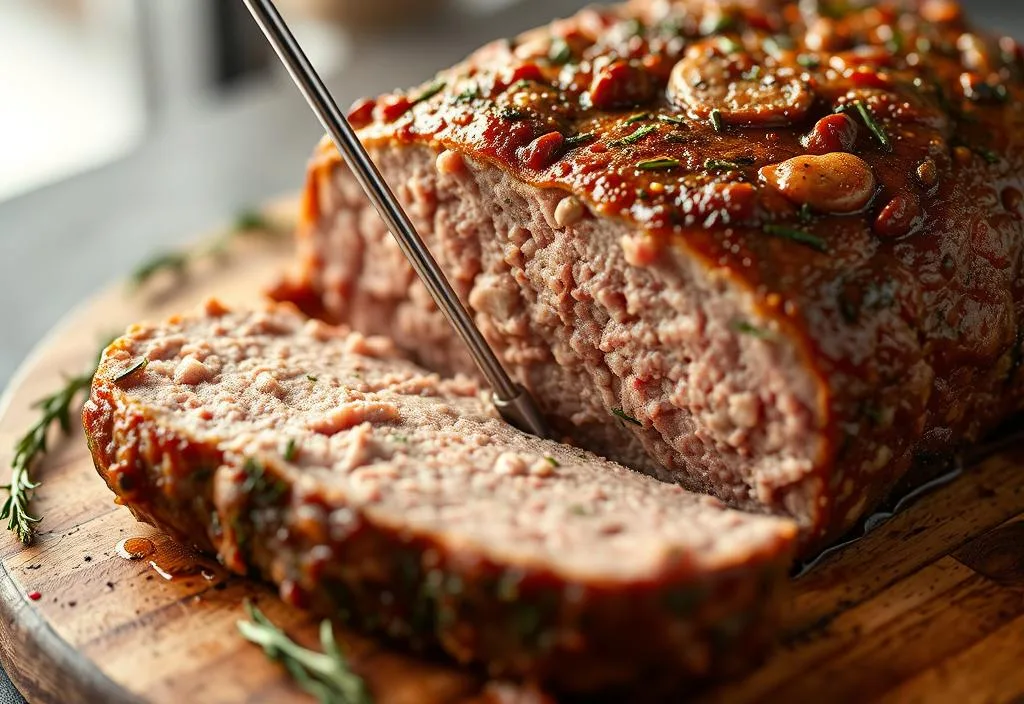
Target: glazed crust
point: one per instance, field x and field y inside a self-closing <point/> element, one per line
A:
<point x="899" y="279"/>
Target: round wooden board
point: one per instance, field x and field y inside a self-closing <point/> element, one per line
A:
<point x="930" y="607"/>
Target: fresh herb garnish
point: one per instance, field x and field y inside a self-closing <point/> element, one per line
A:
<point x="715" y="24"/>
<point x="291" y="450"/>
<point x="578" y="510"/>
<point x="639" y="117"/>
<point x="728" y="45"/>
<point x="658" y="164"/>
<point x="873" y="125"/>
<point x="429" y="92"/>
<point x="560" y="53"/>
<point x="511" y="114"/>
<point x="578" y="140"/>
<point x="633" y="138"/>
<point x="326" y="676"/>
<point x="621" y="415"/>
<point x="727" y="164"/>
<point x="804" y="238"/>
<point x="165" y="261"/>
<point x="137" y="367"/>
<point x="808" y="60"/>
<point x="716" y="120"/>
<point x="552" y="461"/>
<point x="312" y="378"/>
<point x="468" y="94"/>
<point x="742" y="326"/>
<point x="32" y="446"/>
<point x="251" y="220"/>
<point x="264" y="488"/>
<point x="670" y="119"/>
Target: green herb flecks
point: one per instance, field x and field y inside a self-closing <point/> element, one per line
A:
<point x="716" y="24"/>
<point x="659" y="164"/>
<point x="429" y="92"/>
<point x="578" y="140"/>
<point x="716" y="120"/>
<point x="800" y="236"/>
<point x="872" y="124"/>
<point x="291" y="450"/>
<point x="639" y="117"/>
<point x="633" y="138"/>
<point x="175" y="262"/>
<point x="312" y="378"/>
<point x="621" y="415"/>
<point x="728" y="45"/>
<point x="560" y="53"/>
<point x="511" y="114"/>
<point x="326" y="676"/>
<point x="132" y="370"/>
<point x="55" y="408"/>
<point x="670" y="119"/>
<point x="552" y="461"/>
<point x="468" y="94"/>
<point x="808" y="61"/>
<point x="745" y="328"/>
<point x="727" y="164"/>
<point x="249" y="220"/>
<point x="578" y="510"/>
<point x="263" y="488"/>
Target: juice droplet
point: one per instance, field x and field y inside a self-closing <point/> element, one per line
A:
<point x="135" y="548"/>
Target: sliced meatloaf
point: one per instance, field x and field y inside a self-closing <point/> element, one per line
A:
<point x="373" y="491"/>
<point x="768" y="250"/>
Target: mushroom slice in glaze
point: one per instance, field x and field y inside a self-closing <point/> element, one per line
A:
<point x="742" y="90"/>
<point x="831" y="183"/>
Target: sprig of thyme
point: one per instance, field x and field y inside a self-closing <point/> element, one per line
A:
<point x="177" y="262"/>
<point x="33" y="445"/>
<point x="325" y="675"/>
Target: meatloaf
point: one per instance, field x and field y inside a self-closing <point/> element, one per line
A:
<point x="768" y="250"/>
<point x="373" y="491"/>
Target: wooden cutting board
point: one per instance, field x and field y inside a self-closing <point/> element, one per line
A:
<point x="929" y="607"/>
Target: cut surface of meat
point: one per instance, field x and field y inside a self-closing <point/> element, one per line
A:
<point x="767" y="250"/>
<point x="371" y="490"/>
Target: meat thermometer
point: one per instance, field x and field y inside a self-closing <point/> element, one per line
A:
<point x="512" y="401"/>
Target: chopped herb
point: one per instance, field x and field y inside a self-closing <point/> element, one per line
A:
<point x="790" y="233"/>
<point x="716" y="119"/>
<point x="578" y="140"/>
<point x="745" y="328"/>
<point x="291" y="450"/>
<point x="397" y="437"/>
<point x="621" y="415"/>
<point x="511" y="114"/>
<point x="808" y="60"/>
<point x="716" y="24"/>
<point x="753" y="74"/>
<point x="264" y="489"/>
<point x="634" y="28"/>
<point x="670" y="119"/>
<point x="469" y="94"/>
<point x="165" y="261"/>
<point x="872" y="124"/>
<point x="553" y="462"/>
<point x="578" y="510"/>
<point x="728" y="45"/>
<point x="987" y="154"/>
<point x="251" y="220"/>
<point x="326" y="676"/>
<point x="137" y="367"/>
<point x="429" y="92"/>
<point x="726" y="164"/>
<point x="635" y="137"/>
<point x="560" y="52"/>
<point x="312" y="378"/>
<point x="775" y="45"/>
<point x="658" y="164"/>
<point x="639" y="117"/>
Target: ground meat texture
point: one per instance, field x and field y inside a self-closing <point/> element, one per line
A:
<point x="774" y="278"/>
<point x="376" y="492"/>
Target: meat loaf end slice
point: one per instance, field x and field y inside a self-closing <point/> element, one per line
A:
<point x="759" y="248"/>
<point x="370" y="490"/>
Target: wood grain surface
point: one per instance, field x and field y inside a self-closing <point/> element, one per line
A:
<point x="928" y="608"/>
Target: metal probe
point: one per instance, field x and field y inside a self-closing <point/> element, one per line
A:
<point x="513" y="402"/>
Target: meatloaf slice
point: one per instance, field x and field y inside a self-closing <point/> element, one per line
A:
<point x="371" y="490"/>
<point x="767" y="249"/>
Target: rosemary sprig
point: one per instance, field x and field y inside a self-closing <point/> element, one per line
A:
<point x="633" y="138"/>
<point x="578" y="140"/>
<point x="622" y="415"/>
<point x="727" y="164"/>
<point x="804" y="238"/>
<point x="873" y="125"/>
<point x="325" y="675"/>
<point x="33" y="445"/>
<point x="429" y="92"/>
<point x="716" y="120"/>
<point x="659" y="164"/>
<point x="639" y="117"/>
<point x="670" y="119"/>
<point x="246" y="222"/>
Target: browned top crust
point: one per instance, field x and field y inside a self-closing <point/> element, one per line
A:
<point x="857" y="166"/>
